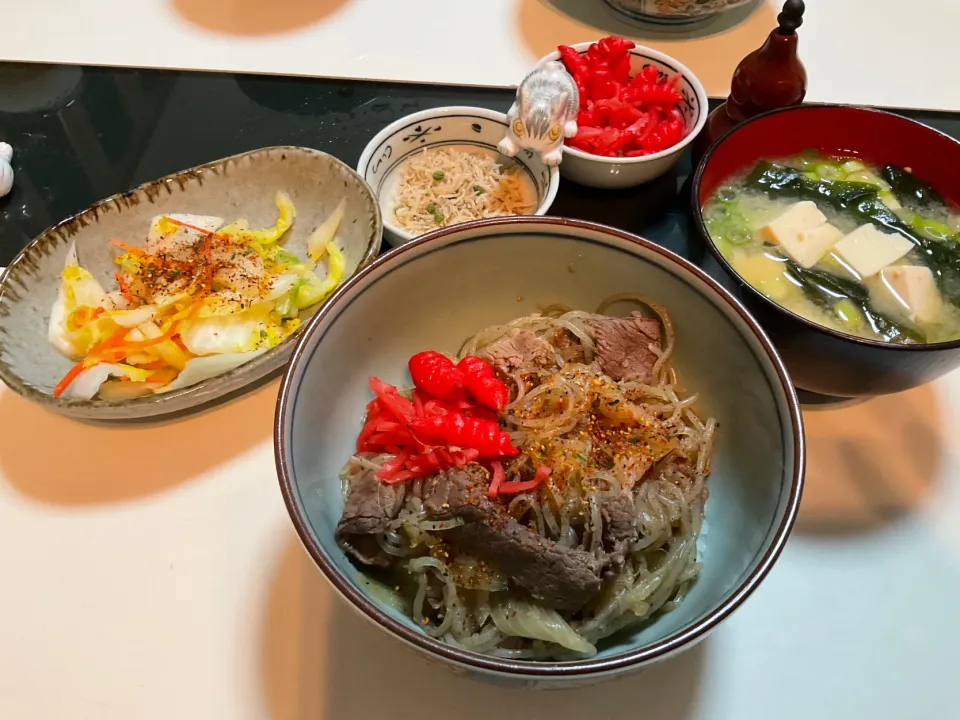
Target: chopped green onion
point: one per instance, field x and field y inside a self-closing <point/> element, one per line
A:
<point x="438" y="175"/>
<point x="479" y="189"/>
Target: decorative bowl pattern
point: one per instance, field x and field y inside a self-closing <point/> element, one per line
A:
<point x="239" y="186"/>
<point x="480" y="127"/>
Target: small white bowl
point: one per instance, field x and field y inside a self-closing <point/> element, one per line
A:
<point x="613" y="172"/>
<point x="478" y="127"/>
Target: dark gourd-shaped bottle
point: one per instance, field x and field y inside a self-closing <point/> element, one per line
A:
<point x="769" y="78"/>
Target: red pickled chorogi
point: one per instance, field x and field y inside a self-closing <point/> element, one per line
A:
<point x="449" y="419"/>
<point x="620" y="115"/>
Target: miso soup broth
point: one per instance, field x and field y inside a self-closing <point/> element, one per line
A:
<point x="869" y="251"/>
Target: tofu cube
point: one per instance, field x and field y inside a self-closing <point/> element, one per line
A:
<point x="815" y="243"/>
<point x="798" y="231"/>
<point x="868" y="251"/>
<point x="914" y="291"/>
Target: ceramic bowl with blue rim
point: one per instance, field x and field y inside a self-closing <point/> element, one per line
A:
<point x="621" y="172"/>
<point x="382" y="162"/>
<point x="453" y="282"/>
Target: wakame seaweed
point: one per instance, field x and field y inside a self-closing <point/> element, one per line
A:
<point x="862" y="201"/>
<point x="826" y="290"/>
<point x="909" y="189"/>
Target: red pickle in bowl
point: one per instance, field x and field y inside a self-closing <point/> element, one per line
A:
<point x="622" y="116"/>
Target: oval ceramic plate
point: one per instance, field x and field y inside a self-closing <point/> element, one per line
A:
<point x="240" y="186"/>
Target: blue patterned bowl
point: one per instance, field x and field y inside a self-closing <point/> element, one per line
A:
<point x="381" y="162"/>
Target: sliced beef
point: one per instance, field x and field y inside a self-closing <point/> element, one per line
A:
<point x="518" y="349"/>
<point x="563" y="578"/>
<point x="623" y="345"/>
<point x="370" y="507"/>
<point x="619" y="517"/>
<point x="619" y="530"/>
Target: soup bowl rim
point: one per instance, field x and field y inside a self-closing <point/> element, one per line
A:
<point x="639" y="655"/>
<point x="755" y="294"/>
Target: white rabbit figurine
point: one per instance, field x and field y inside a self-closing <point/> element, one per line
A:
<point x="6" y="169"/>
<point x="544" y="113"/>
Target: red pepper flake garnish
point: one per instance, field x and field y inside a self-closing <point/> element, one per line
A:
<point x="124" y="288"/>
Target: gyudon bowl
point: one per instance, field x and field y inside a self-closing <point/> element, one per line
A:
<point x="455" y="282"/>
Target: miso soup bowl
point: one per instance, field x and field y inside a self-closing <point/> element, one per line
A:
<point x="435" y="291"/>
<point x="820" y="359"/>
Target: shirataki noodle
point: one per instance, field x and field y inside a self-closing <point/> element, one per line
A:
<point x="554" y="415"/>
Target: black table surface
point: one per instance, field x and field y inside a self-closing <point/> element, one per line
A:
<point x="81" y="134"/>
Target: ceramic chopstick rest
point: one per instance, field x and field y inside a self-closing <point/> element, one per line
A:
<point x="6" y="168"/>
<point x="544" y="113"/>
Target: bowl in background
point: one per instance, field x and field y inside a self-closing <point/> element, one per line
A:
<point x="239" y="186"/>
<point x="674" y="12"/>
<point x="382" y="158"/>
<point x="457" y="280"/>
<point x="821" y="359"/>
<point x="614" y="172"/>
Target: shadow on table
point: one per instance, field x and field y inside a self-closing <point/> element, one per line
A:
<point x="870" y="462"/>
<point x="320" y="661"/>
<point x="719" y="44"/>
<point x="630" y="209"/>
<point x="255" y="17"/>
<point x="61" y="461"/>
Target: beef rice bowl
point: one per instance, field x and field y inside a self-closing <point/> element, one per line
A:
<point x="538" y="492"/>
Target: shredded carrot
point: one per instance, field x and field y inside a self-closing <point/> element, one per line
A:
<point x="209" y="233"/>
<point x="179" y="343"/>
<point x="69" y="378"/>
<point x="124" y="288"/>
<point x="110" y="343"/>
<point x="173" y="330"/>
<point x="82" y="315"/>
<point x="126" y="247"/>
